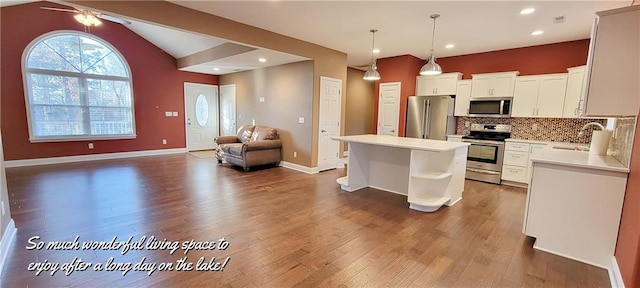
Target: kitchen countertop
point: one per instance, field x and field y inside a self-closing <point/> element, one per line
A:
<point x="546" y="142"/>
<point x="402" y="142"/>
<point x="580" y="159"/>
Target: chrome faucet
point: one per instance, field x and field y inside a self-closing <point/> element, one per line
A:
<point x="587" y="125"/>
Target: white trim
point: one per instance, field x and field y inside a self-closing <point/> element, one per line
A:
<point x="297" y="167"/>
<point x="91" y="157"/>
<point x="387" y="190"/>
<point x="615" y="277"/>
<point x="5" y="242"/>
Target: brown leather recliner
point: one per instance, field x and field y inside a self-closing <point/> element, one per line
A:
<point x="252" y="146"/>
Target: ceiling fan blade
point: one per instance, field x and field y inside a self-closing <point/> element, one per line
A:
<point x="114" y="19"/>
<point x="59" y="9"/>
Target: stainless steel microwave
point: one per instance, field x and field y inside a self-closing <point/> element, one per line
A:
<point x="490" y="107"/>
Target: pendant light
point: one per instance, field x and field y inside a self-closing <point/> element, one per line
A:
<point x="432" y="68"/>
<point x="372" y="74"/>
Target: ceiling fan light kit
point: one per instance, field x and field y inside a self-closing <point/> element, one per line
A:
<point x="372" y="73"/>
<point x="87" y="19"/>
<point x="432" y="68"/>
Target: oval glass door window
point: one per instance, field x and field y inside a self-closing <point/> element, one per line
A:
<point x="202" y="110"/>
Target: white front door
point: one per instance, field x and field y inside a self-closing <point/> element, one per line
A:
<point x="228" y="109"/>
<point x="389" y="109"/>
<point x="330" y="93"/>
<point x="201" y="106"/>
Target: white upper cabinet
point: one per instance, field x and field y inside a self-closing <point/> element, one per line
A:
<point x="575" y="83"/>
<point x="613" y="65"/>
<point x="463" y="94"/>
<point x="539" y="96"/>
<point x="493" y="84"/>
<point x="443" y="84"/>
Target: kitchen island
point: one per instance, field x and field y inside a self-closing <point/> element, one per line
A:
<point x="429" y="172"/>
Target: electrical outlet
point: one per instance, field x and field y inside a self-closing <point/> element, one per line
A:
<point x="534" y="127"/>
<point x="90" y="145"/>
<point x="467" y="124"/>
<point x="253" y="121"/>
<point x="295" y="154"/>
<point x="2" y="204"/>
<point x="168" y="113"/>
<point x="175" y="114"/>
<point x="164" y="141"/>
<point x="301" y="120"/>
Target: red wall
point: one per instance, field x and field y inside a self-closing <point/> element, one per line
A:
<point x="542" y="59"/>
<point x="157" y="86"/>
<point x="402" y="69"/>
<point x="628" y="246"/>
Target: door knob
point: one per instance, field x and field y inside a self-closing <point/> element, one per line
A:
<point x="393" y="131"/>
<point x="323" y="130"/>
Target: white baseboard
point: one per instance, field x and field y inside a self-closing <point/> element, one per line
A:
<point x="91" y="157"/>
<point x="615" y="277"/>
<point x="300" y="168"/>
<point x="5" y="242"/>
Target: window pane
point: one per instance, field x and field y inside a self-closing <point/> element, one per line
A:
<point x="43" y="56"/>
<point x="202" y="110"/>
<point x="108" y="93"/>
<point x="56" y="120"/>
<point x="111" y="121"/>
<point x="50" y="89"/>
<point x="110" y="65"/>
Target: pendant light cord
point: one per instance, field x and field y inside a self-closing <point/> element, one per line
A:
<point x="373" y="42"/>
<point x="433" y="33"/>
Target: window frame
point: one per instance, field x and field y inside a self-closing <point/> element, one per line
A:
<point x="82" y="78"/>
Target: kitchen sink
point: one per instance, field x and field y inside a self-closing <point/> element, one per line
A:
<point x="571" y="147"/>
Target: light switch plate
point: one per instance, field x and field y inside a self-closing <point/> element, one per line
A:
<point x="534" y="127"/>
<point x="175" y="114"/>
<point x="261" y="99"/>
<point x="301" y="120"/>
<point x="167" y="113"/>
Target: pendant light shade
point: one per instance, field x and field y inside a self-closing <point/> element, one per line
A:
<point x="372" y="73"/>
<point x="432" y="68"/>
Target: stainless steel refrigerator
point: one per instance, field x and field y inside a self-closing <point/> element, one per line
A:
<point x="430" y="117"/>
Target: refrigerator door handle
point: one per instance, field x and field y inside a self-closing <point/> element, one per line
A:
<point x="425" y="123"/>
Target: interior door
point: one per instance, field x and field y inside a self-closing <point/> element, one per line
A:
<point x="201" y="106"/>
<point x="330" y="97"/>
<point x="228" y="109"/>
<point x="389" y="109"/>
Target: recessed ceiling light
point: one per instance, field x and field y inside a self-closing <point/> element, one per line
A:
<point x="449" y="46"/>
<point x="216" y="69"/>
<point x="537" y="32"/>
<point x="526" y="11"/>
<point x="262" y="59"/>
<point x="376" y="51"/>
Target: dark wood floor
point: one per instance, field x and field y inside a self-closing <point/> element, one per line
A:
<point x="284" y="228"/>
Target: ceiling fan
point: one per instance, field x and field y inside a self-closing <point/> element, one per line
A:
<point x="88" y="17"/>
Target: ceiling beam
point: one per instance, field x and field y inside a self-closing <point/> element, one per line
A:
<point x="221" y="51"/>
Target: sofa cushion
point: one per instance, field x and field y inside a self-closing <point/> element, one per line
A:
<point x="264" y="133"/>
<point x="232" y="148"/>
<point x="245" y="132"/>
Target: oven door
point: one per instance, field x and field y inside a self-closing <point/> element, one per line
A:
<point x="485" y="154"/>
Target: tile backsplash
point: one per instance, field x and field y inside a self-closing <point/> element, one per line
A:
<point x="548" y="129"/>
<point x="563" y="130"/>
<point x="622" y="140"/>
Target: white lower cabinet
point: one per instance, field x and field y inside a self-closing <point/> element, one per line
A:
<point x="575" y="212"/>
<point x="516" y="166"/>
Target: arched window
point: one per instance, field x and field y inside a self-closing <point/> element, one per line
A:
<point x="77" y="87"/>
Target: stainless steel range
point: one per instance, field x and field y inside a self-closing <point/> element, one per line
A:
<point x="486" y="152"/>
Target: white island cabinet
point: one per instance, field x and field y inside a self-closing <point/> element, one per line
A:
<point x="429" y="172"/>
<point x="574" y="203"/>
